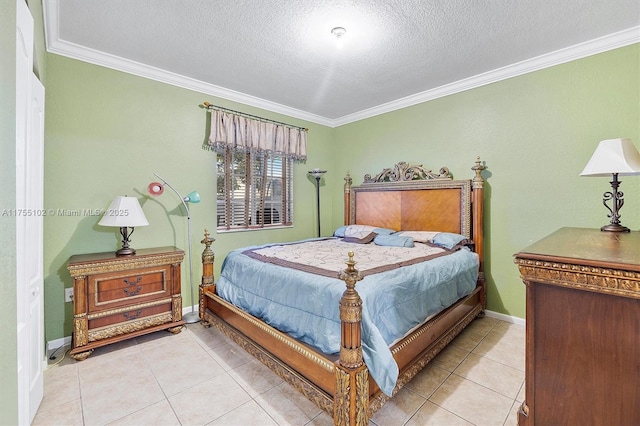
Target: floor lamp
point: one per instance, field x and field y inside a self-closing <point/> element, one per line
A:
<point x="317" y="173"/>
<point x="156" y="188"/>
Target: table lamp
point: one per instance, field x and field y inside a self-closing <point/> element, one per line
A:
<point x="616" y="157"/>
<point x="124" y="213"/>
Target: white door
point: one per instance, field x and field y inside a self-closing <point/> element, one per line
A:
<point x="34" y="250"/>
<point x="29" y="203"/>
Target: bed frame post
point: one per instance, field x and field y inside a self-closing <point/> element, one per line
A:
<point x="477" y="186"/>
<point x="351" y="400"/>
<point x="347" y="198"/>
<point x="207" y="284"/>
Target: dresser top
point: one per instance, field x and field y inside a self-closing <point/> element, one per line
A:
<point x="111" y="256"/>
<point x="586" y="246"/>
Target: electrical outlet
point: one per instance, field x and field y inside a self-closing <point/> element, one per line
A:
<point x="68" y="294"/>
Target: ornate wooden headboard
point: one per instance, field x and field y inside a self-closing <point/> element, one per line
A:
<point x="410" y="197"/>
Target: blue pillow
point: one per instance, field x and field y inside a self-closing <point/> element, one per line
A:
<point x="340" y="232"/>
<point x="394" y="241"/>
<point x="449" y="240"/>
<point x="383" y="231"/>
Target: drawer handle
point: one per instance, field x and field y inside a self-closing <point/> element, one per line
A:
<point x="132" y="292"/>
<point x="126" y="281"/>
<point x="129" y="316"/>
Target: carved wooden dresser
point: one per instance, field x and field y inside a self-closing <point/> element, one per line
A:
<point x="583" y="328"/>
<point x="119" y="297"/>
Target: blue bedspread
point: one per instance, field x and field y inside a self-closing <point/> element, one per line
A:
<point x="306" y="306"/>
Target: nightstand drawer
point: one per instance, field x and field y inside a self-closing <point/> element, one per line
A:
<point x="130" y="315"/>
<point x="108" y="291"/>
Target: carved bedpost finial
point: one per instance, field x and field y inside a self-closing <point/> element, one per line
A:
<point x="347" y="183"/>
<point x="351" y="317"/>
<point x="350" y="275"/>
<point x="478" y="180"/>
<point x="207" y="241"/>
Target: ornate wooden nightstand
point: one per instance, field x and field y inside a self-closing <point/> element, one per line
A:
<point x="583" y="322"/>
<point x="120" y="297"/>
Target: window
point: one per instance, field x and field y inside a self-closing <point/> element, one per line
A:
<point x="254" y="162"/>
<point x="254" y="190"/>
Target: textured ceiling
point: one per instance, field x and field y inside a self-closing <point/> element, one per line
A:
<point x="280" y="55"/>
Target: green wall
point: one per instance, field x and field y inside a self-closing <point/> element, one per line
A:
<point x="107" y="133"/>
<point x="535" y="133"/>
<point x="8" y="337"/>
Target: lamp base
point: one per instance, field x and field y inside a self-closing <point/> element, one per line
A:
<point x="615" y="228"/>
<point x="191" y="318"/>
<point x="125" y="251"/>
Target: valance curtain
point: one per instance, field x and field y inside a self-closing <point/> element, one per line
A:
<point x="244" y="134"/>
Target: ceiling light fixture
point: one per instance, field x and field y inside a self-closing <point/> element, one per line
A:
<point x="339" y="33"/>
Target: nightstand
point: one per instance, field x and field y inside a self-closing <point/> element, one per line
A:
<point x="120" y="297"/>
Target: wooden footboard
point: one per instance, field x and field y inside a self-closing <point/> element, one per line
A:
<point x="341" y="385"/>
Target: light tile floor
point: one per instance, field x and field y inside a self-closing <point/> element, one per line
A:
<point x="200" y="377"/>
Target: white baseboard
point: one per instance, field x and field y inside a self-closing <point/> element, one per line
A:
<point x="55" y="347"/>
<point x="52" y="345"/>
<point x="505" y="318"/>
<point x="187" y="309"/>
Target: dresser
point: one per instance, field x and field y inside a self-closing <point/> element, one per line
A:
<point x="120" y="297"/>
<point x="582" y="329"/>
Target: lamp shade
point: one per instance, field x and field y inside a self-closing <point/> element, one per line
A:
<point x="193" y="197"/>
<point x="317" y="173"/>
<point x="155" y="188"/>
<point x="613" y="156"/>
<point x="124" y="212"/>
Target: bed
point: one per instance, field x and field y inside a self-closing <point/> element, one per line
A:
<point x="404" y="198"/>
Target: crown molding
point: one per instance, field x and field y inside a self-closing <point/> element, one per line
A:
<point x="54" y="44"/>
<point x="578" y="51"/>
<point x="61" y="47"/>
<point x="131" y="67"/>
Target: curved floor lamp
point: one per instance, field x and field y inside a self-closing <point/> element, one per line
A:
<point x="156" y="188"/>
